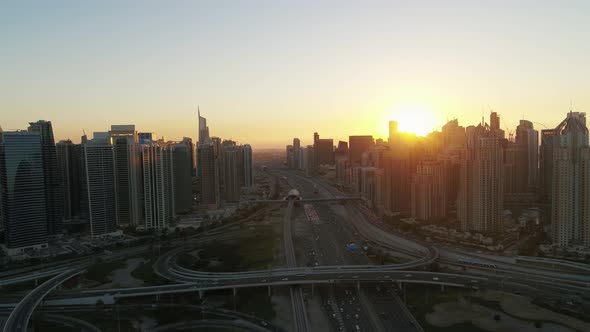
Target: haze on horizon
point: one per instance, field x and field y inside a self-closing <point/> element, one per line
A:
<point x="264" y="72"/>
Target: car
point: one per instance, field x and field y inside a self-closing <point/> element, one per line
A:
<point x="473" y="281"/>
<point x="263" y="280"/>
<point x="435" y="278"/>
<point x="355" y="277"/>
<point x="386" y="277"/>
<point x="340" y="277"/>
<point x="408" y="275"/>
<point x="285" y="279"/>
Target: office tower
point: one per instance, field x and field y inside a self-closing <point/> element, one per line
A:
<point x="393" y="133"/>
<point x="208" y="175"/>
<point x="495" y="125"/>
<point x="296" y="147"/>
<point x="527" y="142"/>
<point x="183" y="192"/>
<point x="341" y="150"/>
<point x="231" y="174"/>
<point x="548" y="140"/>
<point x="193" y="155"/>
<point x="357" y="145"/>
<point x="98" y="194"/>
<point x="158" y="184"/>
<point x="247" y="157"/>
<point x="480" y="197"/>
<point x="400" y="178"/>
<point x="290" y="156"/>
<point x="453" y="135"/>
<point x="53" y="195"/>
<point x="68" y="163"/>
<point x="324" y="150"/>
<point x="203" y="129"/>
<point x="125" y="146"/>
<point x="570" y="204"/>
<point x="428" y="194"/>
<point x="309" y="160"/>
<point x="145" y="138"/>
<point x="510" y="167"/>
<point x="22" y="191"/>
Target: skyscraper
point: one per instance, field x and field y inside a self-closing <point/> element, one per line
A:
<point x="208" y="175"/>
<point x="527" y="142"/>
<point x="203" y="129"/>
<point x="570" y="204"/>
<point x="324" y="150"/>
<point x="53" y="195"/>
<point x="125" y="145"/>
<point x="248" y="179"/>
<point x="480" y="197"/>
<point x="548" y="141"/>
<point x="68" y="162"/>
<point x="98" y="188"/>
<point x="183" y="193"/>
<point x="158" y="184"/>
<point x="22" y="191"/>
<point x="296" y="147"/>
<point x="231" y="174"/>
<point x="428" y="194"/>
<point x="357" y="145"/>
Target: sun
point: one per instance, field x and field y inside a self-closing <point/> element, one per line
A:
<point x="417" y="119"/>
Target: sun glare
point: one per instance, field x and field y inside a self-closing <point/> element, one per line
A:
<point x="415" y="118"/>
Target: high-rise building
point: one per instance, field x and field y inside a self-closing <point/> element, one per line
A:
<point x="22" y="191"/>
<point x="428" y="194"/>
<point x="495" y="125"/>
<point x="68" y="164"/>
<point x="324" y="150"/>
<point x="145" y="138"/>
<point x="248" y="178"/>
<point x="527" y="142"/>
<point x="158" y="184"/>
<point x="53" y="195"/>
<point x="231" y="174"/>
<point x="203" y="129"/>
<point x="570" y="204"/>
<point x="208" y="175"/>
<point x="341" y="150"/>
<point x="98" y="194"/>
<point x="480" y="197"/>
<point x="296" y="147"/>
<point x="124" y="140"/>
<point x="193" y="153"/>
<point x="290" y="156"/>
<point x="357" y="145"/>
<point x="548" y="141"/>
<point x="183" y="193"/>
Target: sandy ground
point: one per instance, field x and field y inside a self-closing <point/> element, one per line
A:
<point x="450" y="313"/>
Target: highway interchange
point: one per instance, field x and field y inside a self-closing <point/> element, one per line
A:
<point x="347" y="301"/>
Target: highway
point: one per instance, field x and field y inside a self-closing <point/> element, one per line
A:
<point x="19" y="317"/>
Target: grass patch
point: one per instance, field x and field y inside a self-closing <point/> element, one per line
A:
<point x="253" y="301"/>
<point x="100" y="272"/>
<point x="146" y="272"/>
<point x="250" y="253"/>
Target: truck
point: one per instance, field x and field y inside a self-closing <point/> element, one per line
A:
<point x="352" y="246"/>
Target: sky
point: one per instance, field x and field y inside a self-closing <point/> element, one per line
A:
<point x="263" y="72"/>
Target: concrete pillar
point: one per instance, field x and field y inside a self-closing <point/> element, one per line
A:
<point x="36" y="282"/>
<point x="442" y="288"/>
<point x="312" y="289"/>
<point x="201" y="294"/>
<point x="269" y="291"/>
<point x="157" y="297"/>
<point x="235" y="292"/>
<point x="358" y="285"/>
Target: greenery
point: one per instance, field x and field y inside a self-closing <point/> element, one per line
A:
<point x="253" y="301"/>
<point x="100" y="272"/>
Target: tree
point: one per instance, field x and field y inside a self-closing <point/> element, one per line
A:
<point x="497" y="317"/>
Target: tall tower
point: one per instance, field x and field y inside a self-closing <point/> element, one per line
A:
<point x="480" y="197"/>
<point x="570" y="204"/>
<point x="124" y="140"/>
<point x="231" y="174"/>
<point x="203" y="129"/>
<point x="527" y="158"/>
<point x="53" y="195"/>
<point x="208" y="175"/>
<point x="22" y="194"/>
<point x="428" y="194"/>
<point x="68" y="162"/>
<point x="248" y="179"/>
<point x="183" y="192"/>
<point x="98" y="188"/>
<point x="158" y="184"/>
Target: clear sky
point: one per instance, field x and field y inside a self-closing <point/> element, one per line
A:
<point x="264" y="72"/>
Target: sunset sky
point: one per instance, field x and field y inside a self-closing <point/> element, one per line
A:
<point x="264" y="72"/>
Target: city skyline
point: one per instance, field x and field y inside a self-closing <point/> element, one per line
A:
<point x="290" y="68"/>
